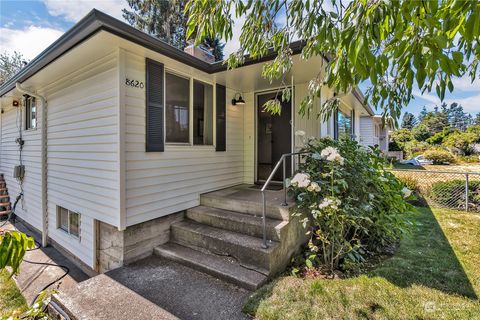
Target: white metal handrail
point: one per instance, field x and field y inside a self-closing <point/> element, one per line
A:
<point x="265" y="185"/>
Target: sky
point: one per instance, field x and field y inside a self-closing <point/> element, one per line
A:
<point x="31" y="26"/>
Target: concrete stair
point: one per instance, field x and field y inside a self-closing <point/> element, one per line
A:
<point x="222" y="267"/>
<point x="235" y="221"/>
<point x="5" y="204"/>
<point x="245" y="249"/>
<point x="251" y="207"/>
<point x="223" y="237"/>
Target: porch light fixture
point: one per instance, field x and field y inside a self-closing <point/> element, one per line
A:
<point x="239" y="100"/>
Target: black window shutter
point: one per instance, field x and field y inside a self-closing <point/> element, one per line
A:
<point x="154" y="107"/>
<point x="221" y="97"/>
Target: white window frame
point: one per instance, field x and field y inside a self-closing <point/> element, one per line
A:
<point x="69" y="213"/>
<point x="28" y="113"/>
<point x="190" y="108"/>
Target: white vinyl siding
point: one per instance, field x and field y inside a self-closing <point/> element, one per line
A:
<point x="82" y="152"/>
<point x="367" y="132"/>
<point x="28" y="209"/>
<point x="161" y="183"/>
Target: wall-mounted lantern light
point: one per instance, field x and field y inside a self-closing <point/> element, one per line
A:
<point x="239" y="100"/>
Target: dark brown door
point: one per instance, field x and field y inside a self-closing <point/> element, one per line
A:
<point x="274" y="137"/>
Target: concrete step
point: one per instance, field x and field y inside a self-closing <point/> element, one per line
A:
<point x="235" y="221"/>
<point x="247" y="250"/>
<point x="251" y="207"/>
<point x="221" y="267"/>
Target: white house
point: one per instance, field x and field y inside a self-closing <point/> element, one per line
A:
<point x="374" y="133"/>
<point x="120" y="133"/>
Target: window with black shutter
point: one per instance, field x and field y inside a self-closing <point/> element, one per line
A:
<point x="221" y="118"/>
<point x="154" y="106"/>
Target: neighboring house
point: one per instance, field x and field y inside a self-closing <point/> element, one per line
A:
<point x="374" y="133"/>
<point x="133" y="131"/>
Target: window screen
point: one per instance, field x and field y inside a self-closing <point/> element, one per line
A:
<point x="63" y="218"/>
<point x="68" y="221"/>
<point x="74" y="224"/>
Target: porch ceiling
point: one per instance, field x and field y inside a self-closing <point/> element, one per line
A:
<point x="249" y="78"/>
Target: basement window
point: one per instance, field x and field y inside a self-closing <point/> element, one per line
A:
<point x="30" y="113"/>
<point x="68" y="221"/>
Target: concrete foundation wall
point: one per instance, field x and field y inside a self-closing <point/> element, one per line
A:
<point x="117" y="248"/>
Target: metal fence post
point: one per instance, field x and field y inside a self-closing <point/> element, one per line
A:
<point x="466" y="192"/>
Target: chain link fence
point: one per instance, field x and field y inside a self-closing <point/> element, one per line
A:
<point x="453" y="190"/>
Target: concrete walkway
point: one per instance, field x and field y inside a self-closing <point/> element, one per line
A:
<point x="152" y="289"/>
<point x="103" y="298"/>
<point x="34" y="277"/>
<point x="184" y="292"/>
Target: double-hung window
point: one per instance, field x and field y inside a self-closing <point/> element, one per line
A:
<point x="30" y="113"/>
<point x="177" y="111"/>
<point x="182" y="110"/>
<point x="68" y="221"/>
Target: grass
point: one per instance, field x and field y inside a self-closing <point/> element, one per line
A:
<point x="11" y="299"/>
<point x="435" y="274"/>
<point x="399" y="165"/>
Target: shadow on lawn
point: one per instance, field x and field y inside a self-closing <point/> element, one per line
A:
<point x="426" y="258"/>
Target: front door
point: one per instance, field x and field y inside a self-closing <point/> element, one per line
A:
<point x="274" y="137"/>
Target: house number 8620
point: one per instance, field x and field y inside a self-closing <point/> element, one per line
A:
<point x="134" y="83"/>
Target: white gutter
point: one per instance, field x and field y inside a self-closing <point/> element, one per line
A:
<point x="43" y="156"/>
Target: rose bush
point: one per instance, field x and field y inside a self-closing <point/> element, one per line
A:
<point x="350" y="203"/>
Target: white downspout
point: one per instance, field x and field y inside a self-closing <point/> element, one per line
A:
<point x="43" y="156"/>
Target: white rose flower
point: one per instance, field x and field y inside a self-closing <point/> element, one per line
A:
<point x="313" y="187"/>
<point x="325" y="203"/>
<point x="328" y="151"/>
<point x="329" y="202"/>
<point x="406" y="192"/>
<point x="332" y="154"/>
<point x="301" y="180"/>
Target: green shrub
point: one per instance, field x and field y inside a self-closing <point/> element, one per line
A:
<point x="469" y="159"/>
<point x="414" y="148"/>
<point x="421" y="132"/>
<point x="452" y="193"/>
<point x="461" y="142"/>
<point x="439" y="137"/>
<point x="439" y="156"/>
<point x="351" y="204"/>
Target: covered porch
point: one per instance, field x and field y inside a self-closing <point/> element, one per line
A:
<point x="267" y="137"/>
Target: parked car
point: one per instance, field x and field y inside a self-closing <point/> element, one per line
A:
<point x="417" y="161"/>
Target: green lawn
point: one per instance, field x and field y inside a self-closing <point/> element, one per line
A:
<point x="434" y="275"/>
<point x="11" y="300"/>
